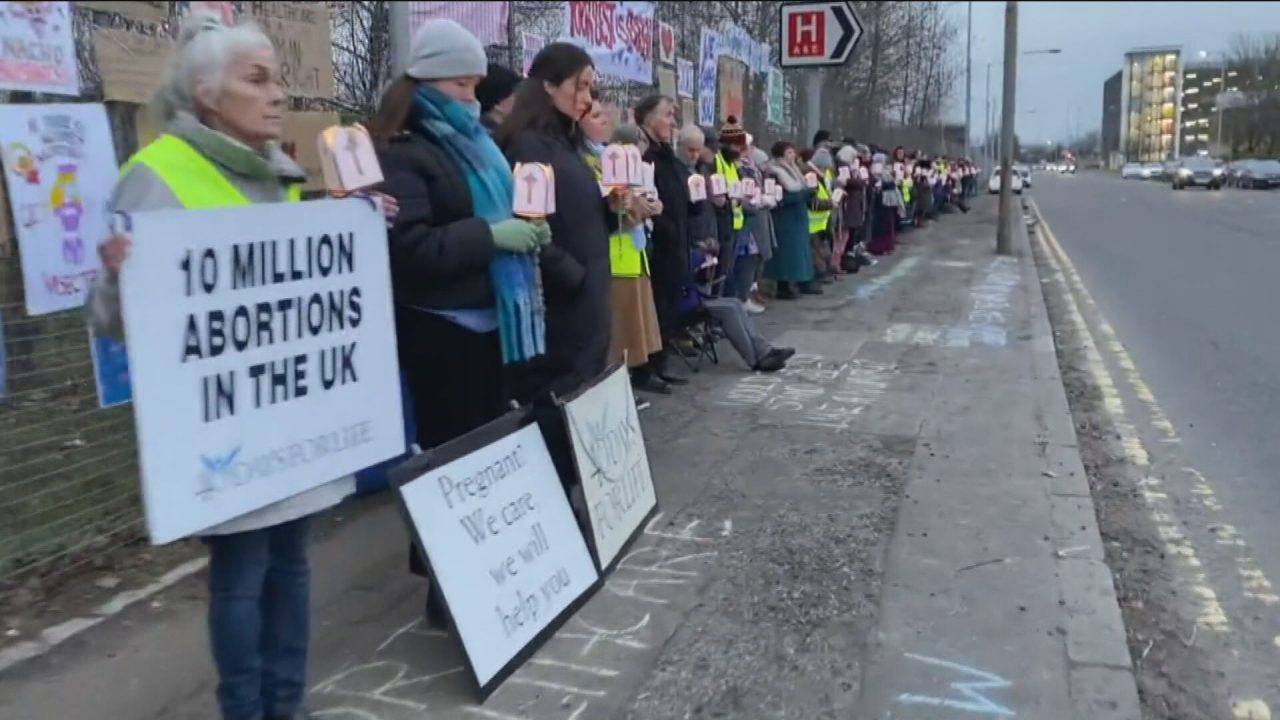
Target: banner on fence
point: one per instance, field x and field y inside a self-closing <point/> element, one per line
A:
<point x="707" y="54"/>
<point x="686" y="78"/>
<point x="495" y="525"/>
<point x="486" y="20"/>
<point x="666" y="43"/>
<point x="530" y="45"/>
<point x="110" y="369"/>
<point x="37" y="48"/>
<point x="609" y="452"/>
<point x="776" y="97"/>
<point x="688" y="111"/>
<point x="301" y="35"/>
<point x="60" y="165"/>
<point x="617" y="35"/>
<point x="732" y="75"/>
<point x="738" y="44"/>
<point x="132" y="65"/>
<point x="262" y="354"/>
<point x="144" y="11"/>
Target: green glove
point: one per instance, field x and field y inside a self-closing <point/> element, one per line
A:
<point x="515" y="235"/>
<point x="544" y="233"/>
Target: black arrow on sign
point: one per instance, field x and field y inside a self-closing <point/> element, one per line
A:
<point x="846" y="28"/>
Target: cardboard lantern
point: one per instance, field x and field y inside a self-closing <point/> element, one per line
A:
<point x="347" y="159"/>
<point x="811" y="179"/>
<point x="769" y="186"/>
<point x="697" y="188"/>
<point x="777" y="193"/>
<point x="735" y="189"/>
<point x="718" y="185"/>
<point x="620" y="166"/>
<point x="843" y="173"/>
<point x="535" y="193"/>
<point x="646" y="180"/>
<point x="635" y="166"/>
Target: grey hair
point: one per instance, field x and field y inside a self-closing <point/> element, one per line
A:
<point x="204" y="49"/>
<point x="626" y="134"/>
<point x="846" y="154"/>
<point x="690" y="134"/>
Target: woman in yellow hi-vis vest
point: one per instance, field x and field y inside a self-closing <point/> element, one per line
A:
<point x="224" y="106"/>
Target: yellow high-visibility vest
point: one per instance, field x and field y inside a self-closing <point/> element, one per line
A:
<point x="818" y="219"/>
<point x="624" y="259"/>
<point x="192" y="178"/>
<point x="730" y="173"/>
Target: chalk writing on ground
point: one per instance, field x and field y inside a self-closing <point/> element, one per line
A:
<point x="969" y="691"/>
<point x="813" y="390"/>
<point x="877" y="285"/>
<point x="579" y="665"/>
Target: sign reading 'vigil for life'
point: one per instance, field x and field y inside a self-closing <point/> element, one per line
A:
<point x="262" y="353"/>
<point x="503" y="544"/>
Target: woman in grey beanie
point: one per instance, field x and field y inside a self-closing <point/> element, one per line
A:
<point x="463" y="274"/>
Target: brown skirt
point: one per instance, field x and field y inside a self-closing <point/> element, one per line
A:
<point x="635" y="321"/>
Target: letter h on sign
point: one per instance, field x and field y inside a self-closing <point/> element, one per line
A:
<point x="807" y="34"/>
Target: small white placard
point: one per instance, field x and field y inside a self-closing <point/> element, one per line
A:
<point x="503" y="544"/>
<point x="608" y="447"/>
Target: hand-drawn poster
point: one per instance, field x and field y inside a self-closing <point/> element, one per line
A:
<point x="686" y="78"/>
<point x="299" y="142"/>
<point x="144" y="11"/>
<point x="708" y="52"/>
<point x="132" y="65"/>
<point x="300" y="32"/>
<point x="618" y="36"/>
<point x="609" y="452"/>
<point x="486" y="20"/>
<point x="37" y="48"/>
<point x="60" y="166"/>
<point x="731" y="78"/>
<point x="501" y="541"/>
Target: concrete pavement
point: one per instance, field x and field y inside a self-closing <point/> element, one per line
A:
<point x="897" y="526"/>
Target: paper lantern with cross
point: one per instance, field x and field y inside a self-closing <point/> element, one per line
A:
<point x="347" y="160"/>
<point x="535" y="192"/>
<point x="697" y="188"/>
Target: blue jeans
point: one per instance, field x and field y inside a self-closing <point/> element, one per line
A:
<point x="259" y="619"/>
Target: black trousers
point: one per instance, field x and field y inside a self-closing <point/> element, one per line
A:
<point x="455" y="377"/>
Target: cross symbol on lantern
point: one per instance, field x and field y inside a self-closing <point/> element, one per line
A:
<point x="352" y="147"/>
<point x="530" y="180"/>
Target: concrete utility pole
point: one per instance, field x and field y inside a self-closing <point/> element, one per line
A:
<point x="986" y="137"/>
<point x="1004" y="243"/>
<point x="814" y="102"/>
<point x="968" y="83"/>
<point x="401" y="38"/>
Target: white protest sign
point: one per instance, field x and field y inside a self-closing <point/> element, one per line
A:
<point x="262" y="353"/>
<point x="503" y="544"/>
<point x="697" y="188"/>
<point x="60" y="166"/>
<point x="608" y="448"/>
<point x="37" y="48"/>
<point x="347" y="159"/>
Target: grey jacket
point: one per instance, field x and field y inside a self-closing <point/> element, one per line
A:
<point x="261" y="178"/>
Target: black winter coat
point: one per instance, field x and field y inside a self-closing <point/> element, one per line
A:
<point x="575" y="266"/>
<point x="440" y="251"/>
<point x="669" y="245"/>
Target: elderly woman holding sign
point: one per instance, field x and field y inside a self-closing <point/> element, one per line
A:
<point x="224" y="110"/>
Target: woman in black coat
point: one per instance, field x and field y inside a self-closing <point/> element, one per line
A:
<point x="669" y="247"/>
<point x="543" y="127"/>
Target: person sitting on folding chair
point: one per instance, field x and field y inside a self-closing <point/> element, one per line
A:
<point x="705" y="313"/>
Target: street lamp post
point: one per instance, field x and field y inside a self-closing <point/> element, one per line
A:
<point x="1004" y="241"/>
<point x="1222" y="91"/>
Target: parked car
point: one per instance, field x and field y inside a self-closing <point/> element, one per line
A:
<point x="1231" y="171"/>
<point x="1015" y="183"/>
<point x="1198" y="171"/>
<point x="1258" y="174"/>
<point x="1131" y="170"/>
<point x="1153" y="171"/>
<point x="1025" y="173"/>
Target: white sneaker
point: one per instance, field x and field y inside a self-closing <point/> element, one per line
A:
<point x="753" y="307"/>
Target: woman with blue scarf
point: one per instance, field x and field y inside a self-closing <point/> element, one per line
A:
<point x="465" y="273"/>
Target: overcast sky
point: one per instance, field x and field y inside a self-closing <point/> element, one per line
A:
<point x="1057" y="92"/>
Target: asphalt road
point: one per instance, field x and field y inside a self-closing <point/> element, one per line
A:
<point x="1188" y="280"/>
